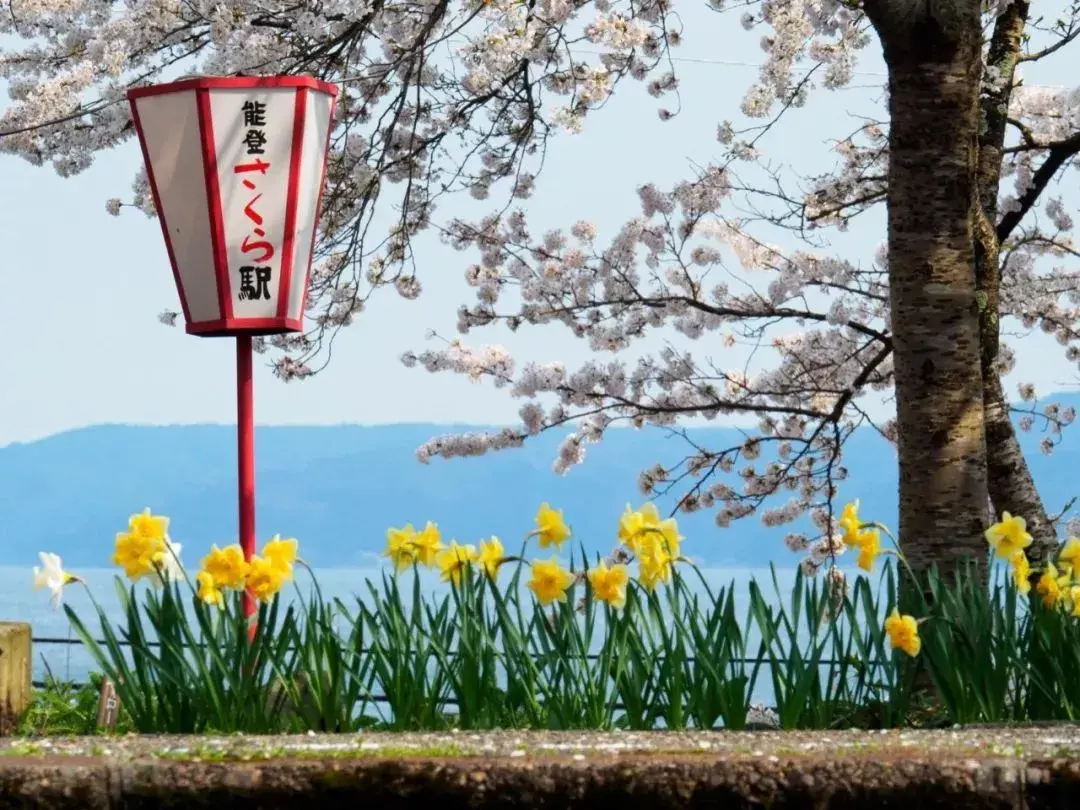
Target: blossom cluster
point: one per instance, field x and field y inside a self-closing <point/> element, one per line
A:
<point x="852" y="532"/>
<point x="146" y="552"/>
<point x="644" y="535"/>
<point x="1058" y="584"/>
<point x="225" y="569"/>
<point x="652" y="276"/>
<point x="654" y="542"/>
<point x="436" y="99"/>
<point x="145" y="549"/>
<point x="849" y="532"/>
<point x="817" y="322"/>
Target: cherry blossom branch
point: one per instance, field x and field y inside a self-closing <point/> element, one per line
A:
<point x="1058" y="153"/>
<point x="1066" y="33"/>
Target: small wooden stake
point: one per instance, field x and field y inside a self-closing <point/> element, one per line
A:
<point x="108" y="705"/>
<point x="16" y="686"/>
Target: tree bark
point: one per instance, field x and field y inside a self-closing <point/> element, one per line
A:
<point x="933" y="53"/>
<point x="1008" y="476"/>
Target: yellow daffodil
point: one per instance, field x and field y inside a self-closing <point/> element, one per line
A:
<point x="1051" y="586"/>
<point x="146" y="525"/>
<point x="609" y="584"/>
<point x="551" y="528"/>
<point x="282" y="553"/>
<point x="264" y="578"/>
<point x="638" y="529"/>
<point x="1070" y="555"/>
<point x="427" y="544"/>
<point x="862" y="538"/>
<point x="227" y="566"/>
<point x="632" y="525"/>
<point x="138" y="554"/>
<point x="669" y="533"/>
<point x="653" y="572"/>
<point x="549" y="581"/>
<point x="850" y="523"/>
<point x="868" y="541"/>
<point x="144" y="549"/>
<point x="491" y="556"/>
<point x="655" y="563"/>
<point x="453" y="561"/>
<point x="1074" y="599"/>
<point x="207" y="589"/>
<point x="903" y="633"/>
<point x="399" y="546"/>
<point x="1008" y="536"/>
<point x="1021" y="569"/>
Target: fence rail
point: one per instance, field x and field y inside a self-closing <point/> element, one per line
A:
<point x="74" y="642"/>
<point x="372" y="700"/>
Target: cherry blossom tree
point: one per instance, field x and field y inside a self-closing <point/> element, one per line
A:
<point x="436" y="97"/>
<point x="442" y="97"/>
<point x="963" y="250"/>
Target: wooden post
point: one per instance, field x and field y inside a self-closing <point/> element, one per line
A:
<point x="108" y="705"/>
<point x="16" y="689"/>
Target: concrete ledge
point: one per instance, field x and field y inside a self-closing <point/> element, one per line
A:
<point x="976" y="768"/>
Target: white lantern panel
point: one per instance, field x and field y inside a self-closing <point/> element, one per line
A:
<point x="253" y="137"/>
<point x="312" y="166"/>
<point x="171" y="137"/>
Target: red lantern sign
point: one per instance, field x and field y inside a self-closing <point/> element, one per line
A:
<point x="236" y="169"/>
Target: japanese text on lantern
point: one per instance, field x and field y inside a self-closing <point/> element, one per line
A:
<point x="255" y="276"/>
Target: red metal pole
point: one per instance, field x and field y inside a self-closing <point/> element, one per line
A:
<point x="245" y="455"/>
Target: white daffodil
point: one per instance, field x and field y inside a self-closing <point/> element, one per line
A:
<point x="52" y="576"/>
<point x="171" y="568"/>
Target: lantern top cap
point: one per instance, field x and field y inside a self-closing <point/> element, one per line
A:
<point x="234" y="83"/>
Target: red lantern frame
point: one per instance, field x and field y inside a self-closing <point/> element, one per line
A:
<point x="227" y="324"/>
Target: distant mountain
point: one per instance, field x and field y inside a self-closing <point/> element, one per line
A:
<point x="338" y="488"/>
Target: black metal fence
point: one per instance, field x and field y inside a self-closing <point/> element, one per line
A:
<point x="74" y="642"/>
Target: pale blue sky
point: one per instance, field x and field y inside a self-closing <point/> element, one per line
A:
<point x="81" y="289"/>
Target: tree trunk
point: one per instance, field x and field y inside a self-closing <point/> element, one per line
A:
<point x="933" y="54"/>
<point x="1009" y="479"/>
